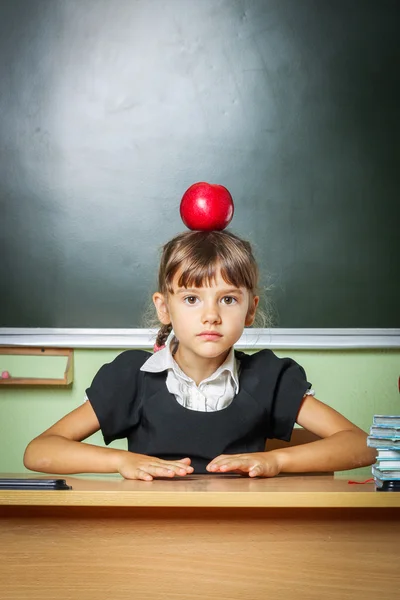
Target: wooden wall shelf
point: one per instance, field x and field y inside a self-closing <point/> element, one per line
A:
<point x="67" y="378"/>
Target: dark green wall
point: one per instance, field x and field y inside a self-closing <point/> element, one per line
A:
<point x="110" y="110"/>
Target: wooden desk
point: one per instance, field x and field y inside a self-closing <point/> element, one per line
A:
<point x="203" y="537"/>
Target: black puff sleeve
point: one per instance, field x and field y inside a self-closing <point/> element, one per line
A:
<point x="278" y="385"/>
<point x="115" y="394"/>
<point x="291" y="385"/>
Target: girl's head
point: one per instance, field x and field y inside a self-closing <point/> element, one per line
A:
<point x="196" y="259"/>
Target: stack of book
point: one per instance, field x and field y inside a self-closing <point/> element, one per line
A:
<point x="384" y="435"/>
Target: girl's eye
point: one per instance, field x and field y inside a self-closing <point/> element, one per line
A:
<point x="190" y="300"/>
<point x="229" y="300"/>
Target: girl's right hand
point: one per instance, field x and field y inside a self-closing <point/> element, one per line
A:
<point x="141" y="466"/>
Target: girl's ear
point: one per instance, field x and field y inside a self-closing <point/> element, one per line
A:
<point x="251" y="313"/>
<point x="162" y="309"/>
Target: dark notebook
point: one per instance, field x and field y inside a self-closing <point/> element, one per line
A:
<point x="387" y="485"/>
<point x="34" y="484"/>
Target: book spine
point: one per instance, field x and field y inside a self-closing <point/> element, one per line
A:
<point x="392" y="420"/>
<point x="388" y="454"/>
<point x="385" y="431"/>
<point x="383" y="443"/>
<point x="387" y="474"/>
<point x="387" y="463"/>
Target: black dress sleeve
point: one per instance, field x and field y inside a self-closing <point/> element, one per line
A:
<point x="115" y="394"/>
<point x="291" y="385"/>
<point x="278" y="385"/>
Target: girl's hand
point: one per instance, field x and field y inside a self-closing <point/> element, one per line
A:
<point x="256" y="464"/>
<point x="140" y="466"/>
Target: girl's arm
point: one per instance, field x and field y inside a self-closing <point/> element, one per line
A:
<point x="343" y="446"/>
<point x="59" y="450"/>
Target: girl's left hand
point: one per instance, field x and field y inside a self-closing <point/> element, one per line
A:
<point x="256" y="464"/>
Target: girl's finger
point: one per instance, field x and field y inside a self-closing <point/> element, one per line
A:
<point x="215" y="466"/>
<point x="161" y="470"/>
<point x="143" y="475"/>
<point x="245" y="467"/>
<point x="255" y="471"/>
<point x="169" y="470"/>
<point x="229" y="465"/>
<point x="217" y="462"/>
<point x="177" y="465"/>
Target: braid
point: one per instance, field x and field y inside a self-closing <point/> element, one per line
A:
<point x="162" y="335"/>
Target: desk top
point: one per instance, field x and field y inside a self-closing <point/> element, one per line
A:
<point x="302" y="491"/>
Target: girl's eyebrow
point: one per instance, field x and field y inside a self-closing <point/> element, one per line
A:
<point x="232" y="291"/>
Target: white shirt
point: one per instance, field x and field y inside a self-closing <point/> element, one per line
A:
<point x="213" y="393"/>
<point x="216" y="392"/>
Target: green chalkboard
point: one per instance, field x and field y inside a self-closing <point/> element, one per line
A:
<point x="108" y="115"/>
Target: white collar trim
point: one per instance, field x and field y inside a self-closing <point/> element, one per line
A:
<point x="163" y="360"/>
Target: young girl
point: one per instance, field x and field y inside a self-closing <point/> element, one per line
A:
<point x="197" y="405"/>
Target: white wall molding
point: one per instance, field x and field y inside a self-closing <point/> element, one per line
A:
<point x="251" y="339"/>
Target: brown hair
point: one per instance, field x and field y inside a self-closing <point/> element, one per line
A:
<point x="198" y="255"/>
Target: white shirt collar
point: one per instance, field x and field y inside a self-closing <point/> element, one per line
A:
<point x="163" y="360"/>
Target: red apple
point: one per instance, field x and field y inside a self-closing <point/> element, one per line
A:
<point x="206" y="207"/>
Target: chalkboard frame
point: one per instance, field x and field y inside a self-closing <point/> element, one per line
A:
<point x="252" y="338"/>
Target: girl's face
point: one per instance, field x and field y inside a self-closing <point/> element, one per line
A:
<point x="207" y="320"/>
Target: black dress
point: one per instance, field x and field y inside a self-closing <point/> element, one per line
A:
<point x="136" y="405"/>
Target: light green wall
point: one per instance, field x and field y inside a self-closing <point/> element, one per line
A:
<point x="356" y="383"/>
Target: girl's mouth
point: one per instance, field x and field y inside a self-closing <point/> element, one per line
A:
<point x="210" y="336"/>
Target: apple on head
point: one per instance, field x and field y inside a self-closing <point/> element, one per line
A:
<point x="206" y="207"/>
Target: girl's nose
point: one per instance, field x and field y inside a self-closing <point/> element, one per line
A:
<point x="211" y="314"/>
